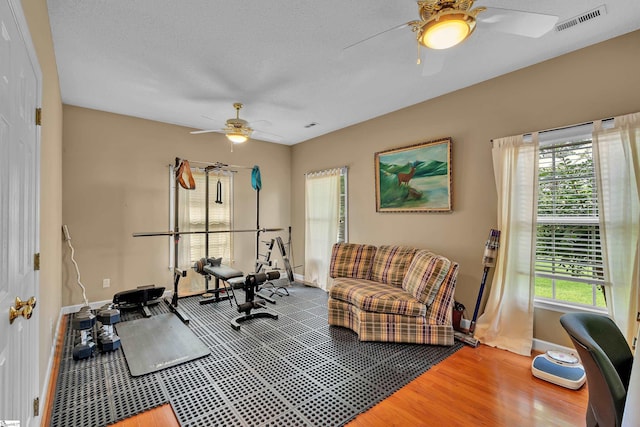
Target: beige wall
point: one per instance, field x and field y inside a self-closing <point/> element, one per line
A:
<point x="116" y="182"/>
<point x="49" y="302"/>
<point x="596" y="82"/>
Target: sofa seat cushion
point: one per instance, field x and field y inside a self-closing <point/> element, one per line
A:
<point x="351" y="260"/>
<point x="388" y="327"/>
<point x="390" y="264"/>
<point x="373" y="296"/>
<point x="425" y="276"/>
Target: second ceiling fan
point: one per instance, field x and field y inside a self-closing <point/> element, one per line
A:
<point x="446" y="23"/>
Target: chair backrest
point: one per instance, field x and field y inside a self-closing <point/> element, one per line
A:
<point x="607" y="361"/>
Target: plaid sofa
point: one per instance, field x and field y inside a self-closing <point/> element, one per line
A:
<point x="392" y="293"/>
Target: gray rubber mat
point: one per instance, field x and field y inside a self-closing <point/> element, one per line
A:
<point x="296" y="371"/>
<point x="158" y="342"/>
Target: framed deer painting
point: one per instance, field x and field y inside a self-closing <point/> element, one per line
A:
<point x="416" y="178"/>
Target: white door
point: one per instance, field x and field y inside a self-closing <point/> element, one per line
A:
<point x="20" y="83"/>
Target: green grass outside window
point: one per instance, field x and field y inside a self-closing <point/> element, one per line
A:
<point x="568" y="291"/>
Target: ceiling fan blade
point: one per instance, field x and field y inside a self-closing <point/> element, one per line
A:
<point x="527" y="24"/>
<point x="397" y="27"/>
<point x="210" y="118"/>
<point x="198" y="132"/>
<point x="268" y="135"/>
<point x="263" y="123"/>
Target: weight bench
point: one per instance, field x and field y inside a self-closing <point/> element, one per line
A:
<point x="220" y="273"/>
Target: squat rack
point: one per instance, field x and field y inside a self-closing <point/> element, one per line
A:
<point x="183" y="166"/>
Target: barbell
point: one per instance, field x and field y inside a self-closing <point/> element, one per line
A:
<point x="177" y="233"/>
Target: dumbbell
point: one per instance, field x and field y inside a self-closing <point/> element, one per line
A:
<point x="81" y="322"/>
<point x="84" y="321"/>
<point x="107" y="339"/>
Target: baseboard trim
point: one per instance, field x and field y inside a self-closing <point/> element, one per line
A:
<point x="544" y="346"/>
<point x="299" y="278"/>
<point x="537" y="344"/>
<point x="44" y="393"/>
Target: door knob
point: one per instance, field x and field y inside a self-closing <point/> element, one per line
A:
<point x="22" y="308"/>
<point x="25" y="312"/>
<point x="31" y="302"/>
<point x="13" y="314"/>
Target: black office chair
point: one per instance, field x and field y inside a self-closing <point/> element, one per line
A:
<point x="607" y="361"/>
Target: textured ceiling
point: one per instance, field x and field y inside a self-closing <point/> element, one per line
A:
<point x="186" y="62"/>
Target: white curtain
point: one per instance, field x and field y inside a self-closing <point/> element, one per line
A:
<point x="322" y="192"/>
<point x="507" y="321"/>
<point x="617" y="161"/>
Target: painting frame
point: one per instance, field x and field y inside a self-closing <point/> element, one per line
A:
<point x="429" y="163"/>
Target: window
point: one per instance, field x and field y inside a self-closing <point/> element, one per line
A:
<point x="220" y="244"/>
<point x="192" y="216"/>
<point x="569" y="264"/>
<point x="325" y="221"/>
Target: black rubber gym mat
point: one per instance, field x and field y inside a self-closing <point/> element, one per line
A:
<point x="158" y="342"/>
<point x="296" y="371"/>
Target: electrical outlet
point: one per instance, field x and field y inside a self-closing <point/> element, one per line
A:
<point x="106" y="283"/>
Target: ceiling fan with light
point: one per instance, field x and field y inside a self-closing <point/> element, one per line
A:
<point x="237" y="130"/>
<point x="446" y="23"/>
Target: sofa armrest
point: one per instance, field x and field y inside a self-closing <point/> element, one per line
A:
<point x="440" y="310"/>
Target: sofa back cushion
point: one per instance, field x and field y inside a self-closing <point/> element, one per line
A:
<point x="425" y="276"/>
<point x="391" y="263"/>
<point x="351" y="260"/>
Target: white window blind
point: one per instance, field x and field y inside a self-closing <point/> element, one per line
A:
<point x="219" y="216"/>
<point x="192" y="214"/>
<point x="568" y="236"/>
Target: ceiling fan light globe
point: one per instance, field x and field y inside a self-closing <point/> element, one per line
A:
<point x="237" y="138"/>
<point x="447" y="31"/>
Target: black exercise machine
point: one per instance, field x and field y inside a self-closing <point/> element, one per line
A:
<point x="139" y="298"/>
<point x="183" y="166"/>
<point x="251" y="285"/>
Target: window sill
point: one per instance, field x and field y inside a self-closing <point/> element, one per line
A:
<point x="563" y="307"/>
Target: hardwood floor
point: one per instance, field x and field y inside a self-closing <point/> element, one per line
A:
<point x="480" y="386"/>
<point x="55" y="367"/>
<point x="162" y="416"/>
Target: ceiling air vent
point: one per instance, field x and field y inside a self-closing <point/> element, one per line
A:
<point x="582" y="18"/>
